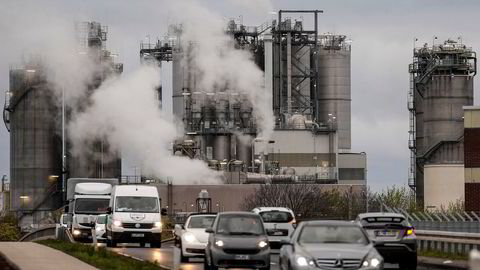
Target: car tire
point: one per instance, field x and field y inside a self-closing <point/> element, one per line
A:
<point x="183" y="259"/>
<point x="207" y="266"/>
<point x="409" y="264"/>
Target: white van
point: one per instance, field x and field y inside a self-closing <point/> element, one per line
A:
<point x="279" y="222"/>
<point x="134" y="216"/>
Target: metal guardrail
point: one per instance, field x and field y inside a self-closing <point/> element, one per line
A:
<point x="448" y="242"/>
<point x="48" y="231"/>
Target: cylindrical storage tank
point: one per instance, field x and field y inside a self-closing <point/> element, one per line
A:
<point x="35" y="144"/>
<point x="221" y="148"/>
<point x="244" y="152"/>
<point x="333" y="93"/>
<point x="443" y="108"/>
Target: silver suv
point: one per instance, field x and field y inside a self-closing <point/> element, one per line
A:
<point x="394" y="237"/>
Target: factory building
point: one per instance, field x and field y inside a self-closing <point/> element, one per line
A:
<point x="472" y="158"/>
<point x="35" y="115"/>
<point x="308" y="77"/>
<point x="441" y="83"/>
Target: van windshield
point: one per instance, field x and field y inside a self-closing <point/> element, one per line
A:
<point x="91" y="206"/>
<point x="136" y="204"/>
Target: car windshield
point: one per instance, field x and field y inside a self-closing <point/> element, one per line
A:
<point x="332" y="234"/>
<point x="136" y="204"/>
<point x="91" y="206"/>
<point x="201" y="222"/>
<point x="240" y="225"/>
<point x="101" y="219"/>
<point x="276" y="217"/>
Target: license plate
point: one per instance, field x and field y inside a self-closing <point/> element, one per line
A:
<point x="138" y="235"/>
<point x="242" y="257"/>
<point x="277" y="233"/>
<point x="388" y="233"/>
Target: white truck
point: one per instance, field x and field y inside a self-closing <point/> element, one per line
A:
<point x="87" y="198"/>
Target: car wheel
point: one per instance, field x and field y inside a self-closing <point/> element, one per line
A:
<point x="409" y="264"/>
<point x="183" y="259"/>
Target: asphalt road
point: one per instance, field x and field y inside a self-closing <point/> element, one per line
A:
<point x="164" y="257"/>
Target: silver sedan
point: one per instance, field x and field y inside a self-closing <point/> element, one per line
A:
<point x="329" y="245"/>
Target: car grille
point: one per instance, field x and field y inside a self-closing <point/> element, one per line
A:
<point x="86" y="224"/>
<point x="196" y="250"/>
<point x="339" y="263"/>
<point x="142" y="225"/>
<point x="240" y="251"/>
<point x="234" y="263"/>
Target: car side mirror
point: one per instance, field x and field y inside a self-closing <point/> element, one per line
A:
<point x="109" y="210"/>
<point x="163" y="212"/>
<point x="209" y="230"/>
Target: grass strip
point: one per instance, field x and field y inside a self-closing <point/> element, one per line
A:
<point x="102" y="258"/>
<point x="443" y="255"/>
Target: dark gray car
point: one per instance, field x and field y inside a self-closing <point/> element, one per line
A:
<point x="237" y="240"/>
<point x="329" y="245"/>
<point x="394" y="237"/>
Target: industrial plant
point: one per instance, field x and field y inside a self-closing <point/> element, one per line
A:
<point x="441" y="84"/>
<point x="40" y="152"/>
<point x="307" y="81"/>
<point x="308" y="77"/>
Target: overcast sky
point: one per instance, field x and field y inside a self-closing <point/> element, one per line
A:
<point x="382" y="32"/>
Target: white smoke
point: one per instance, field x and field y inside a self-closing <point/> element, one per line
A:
<point x="125" y="112"/>
<point x="220" y="64"/>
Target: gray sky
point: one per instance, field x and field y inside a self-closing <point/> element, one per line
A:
<point x="382" y="32"/>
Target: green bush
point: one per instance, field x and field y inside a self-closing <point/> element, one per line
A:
<point x="9" y="230"/>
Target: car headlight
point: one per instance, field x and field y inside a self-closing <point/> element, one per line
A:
<point x="219" y="243"/>
<point x="189" y="237"/>
<point x="76" y="232"/>
<point x="372" y="261"/>
<point x="304" y="261"/>
<point x="262" y="244"/>
<point x="157" y="224"/>
<point x="117" y="223"/>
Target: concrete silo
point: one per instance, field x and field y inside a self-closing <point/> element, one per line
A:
<point x="441" y="84"/>
<point x="333" y="91"/>
<point x="35" y="144"/>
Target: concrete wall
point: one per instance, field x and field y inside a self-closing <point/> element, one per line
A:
<point x="443" y="185"/>
<point x="224" y="197"/>
<point x="352" y="168"/>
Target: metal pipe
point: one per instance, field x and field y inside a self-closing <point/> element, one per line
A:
<point x="64" y="157"/>
<point x="289" y="73"/>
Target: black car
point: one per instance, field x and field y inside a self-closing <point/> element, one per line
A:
<point x="394" y="237"/>
<point x="237" y="240"/>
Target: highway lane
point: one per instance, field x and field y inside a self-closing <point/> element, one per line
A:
<point x="164" y="257"/>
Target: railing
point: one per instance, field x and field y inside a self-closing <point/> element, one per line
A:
<point x="48" y="231"/>
<point x="448" y="242"/>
